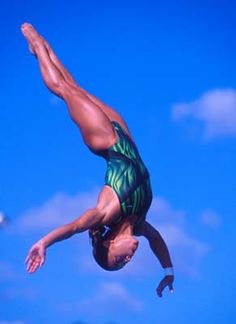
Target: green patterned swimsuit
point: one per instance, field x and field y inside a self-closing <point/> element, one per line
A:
<point x="128" y="176"/>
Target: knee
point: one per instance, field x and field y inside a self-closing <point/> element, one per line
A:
<point x="56" y="85"/>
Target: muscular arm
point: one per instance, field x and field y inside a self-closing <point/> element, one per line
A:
<point x="160" y="250"/>
<point x="89" y="219"/>
<point x="156" y="243"/>
<point x="37" y="253"/>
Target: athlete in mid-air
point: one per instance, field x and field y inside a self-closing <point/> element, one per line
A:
<point x="124" y="200"/>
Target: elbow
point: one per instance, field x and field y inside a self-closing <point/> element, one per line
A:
<point x="73" y="228"/>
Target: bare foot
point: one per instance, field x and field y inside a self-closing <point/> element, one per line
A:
<point x="31" y="35"/>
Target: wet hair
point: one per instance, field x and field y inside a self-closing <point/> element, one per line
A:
<point x="100" y="252"/>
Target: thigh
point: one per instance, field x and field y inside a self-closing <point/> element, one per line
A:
<point x="112" y="114"/>
<point x="96" y="128"/>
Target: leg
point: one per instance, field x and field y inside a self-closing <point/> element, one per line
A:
<point x="111" y="113"/>
<point x="94" y="124"/>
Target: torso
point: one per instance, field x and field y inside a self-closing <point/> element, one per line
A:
<point x="127" y="176"/>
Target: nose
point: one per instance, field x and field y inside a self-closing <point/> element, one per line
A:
<point x="127" y="258"/>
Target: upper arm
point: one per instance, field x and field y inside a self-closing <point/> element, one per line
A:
<point x="147" y="230"/>
<point x="91" y="218"/>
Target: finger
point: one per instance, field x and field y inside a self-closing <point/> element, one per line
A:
<point x="32" y="270"/>
<point x="37" y="265"/>
<point x="27" y="258"/>
<point x="171" y="288"/>
<point x="29" y="268"/>
<point x="159" y="290"/>
<point x="29" y="264"/>
<point x="30" y="257"/>
<point x="42" y="262"/>
<point x="33" y="267"/>
<point x="159" y="294"/>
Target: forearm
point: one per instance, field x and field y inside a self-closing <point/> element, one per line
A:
<point x="58" y="234"/>
<point x="160" y="250"/>
<point x="89" y="219"/>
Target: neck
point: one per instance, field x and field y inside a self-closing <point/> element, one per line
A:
<point x="125" y="228"/>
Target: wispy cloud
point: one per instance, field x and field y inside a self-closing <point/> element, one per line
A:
<point x="58" y="210"/>
<point x="211" y="219"/>
<point x="186" y="249"/>
<point x="216" y="110"/>
<point x="107" y="300"/>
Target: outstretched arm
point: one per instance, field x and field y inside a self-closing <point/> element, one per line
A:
<point x="160" y="250"/>
<point x="37" y="253"/>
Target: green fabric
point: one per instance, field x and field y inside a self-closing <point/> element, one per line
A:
<point x="127" y="175"/>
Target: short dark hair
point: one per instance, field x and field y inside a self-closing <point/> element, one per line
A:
<point x="100" y="252"/>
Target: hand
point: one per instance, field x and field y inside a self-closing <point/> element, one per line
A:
<point x="35" y="257"/>
<point x="166" y="281"/>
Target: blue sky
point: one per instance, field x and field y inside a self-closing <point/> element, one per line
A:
<point x="169" y="68"/>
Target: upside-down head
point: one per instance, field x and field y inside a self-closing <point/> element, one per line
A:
<point x="114" y="254"/>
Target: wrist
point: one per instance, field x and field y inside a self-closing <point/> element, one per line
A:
<point x="169" y="271"/>
<point x="42" y="243"/>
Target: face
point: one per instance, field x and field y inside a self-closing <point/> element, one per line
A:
<point x="120" y="252"/>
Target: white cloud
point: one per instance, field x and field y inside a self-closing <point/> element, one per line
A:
<point x="185" y="249"/>
<point x="116" y="292"/>
<point x="58" y="210"/>
<point x="163" y="212"/>
<point x="216" y="109"/>
<point x="107" y="300"/>
<point x="211" y="219"/>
